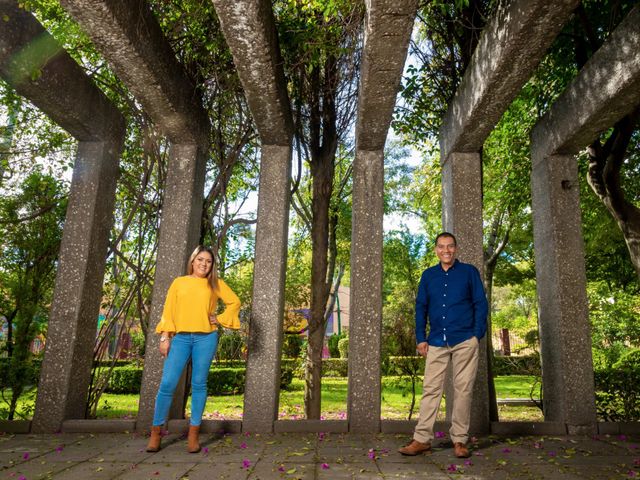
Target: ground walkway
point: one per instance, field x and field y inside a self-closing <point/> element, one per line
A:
<point x="314" y="456"/>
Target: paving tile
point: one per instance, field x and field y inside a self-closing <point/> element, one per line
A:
<point x="93" y="470"/>
<point x="152" y="471"/>
<point x="241" y="456"/>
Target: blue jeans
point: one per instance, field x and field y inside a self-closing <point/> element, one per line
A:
<point x="201" y="348"/>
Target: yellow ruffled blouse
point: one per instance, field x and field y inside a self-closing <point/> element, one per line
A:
<point x="189" y="303"/>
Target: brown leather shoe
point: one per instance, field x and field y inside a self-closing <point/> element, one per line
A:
<point x="415" y="448"/>
<point x="460" y="450"/>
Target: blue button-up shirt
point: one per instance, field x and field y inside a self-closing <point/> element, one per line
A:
<point x="454" y="302"/>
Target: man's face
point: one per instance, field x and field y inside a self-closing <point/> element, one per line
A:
<point x="446" y="251"/>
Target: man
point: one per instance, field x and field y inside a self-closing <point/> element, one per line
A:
<point x="451" y="296"/>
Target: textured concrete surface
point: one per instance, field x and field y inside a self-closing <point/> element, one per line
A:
<point x="462" y="216"/>
<point x="251" y="34"/>
<point x="315" y="456"/>
<point x="610" y="80"/>
<point x="129" y="37"/>
<point x="179" y="233"/>
<point x="250" y="31"/>
<point x="567" y="366"/>
<point x="387" y="30"/>
<point x="365" y="324"/>
<point x="35" y="64"/>
<point x="511" y="46"/>
<point x="265" y="330"/>
<point x="66" y="367"/>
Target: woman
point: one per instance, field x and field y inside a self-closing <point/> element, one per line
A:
<point x="189" y="330"/>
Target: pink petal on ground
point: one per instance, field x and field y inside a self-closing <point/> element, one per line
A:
<point x="452" y="468"/>
<point x="281" y="468"/>
<point x="25" y="456"/>
<point x="506" y="450"/>
<point x="371" y="454"/>
<point x="440" y="434"/>
<point x="243" y="445"/>
<point x="468" y="463"/>
<point x="325" y="466"/>
<point x="246" y="464"/>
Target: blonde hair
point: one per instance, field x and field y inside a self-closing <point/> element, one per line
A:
<point x="212" y="276"/>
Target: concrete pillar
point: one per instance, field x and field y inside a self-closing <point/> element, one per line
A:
<point x="262" y="386"/>
<point x="66" y="368"/>
<point x="462" y="216"/>
<point x="565" y="339"/>
<point x="365" y="328"/>
<point x="179" y="233"/>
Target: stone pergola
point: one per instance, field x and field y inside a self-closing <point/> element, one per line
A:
<point x="129" y="37"/>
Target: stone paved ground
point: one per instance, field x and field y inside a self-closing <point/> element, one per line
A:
<point x="313" y="456"/>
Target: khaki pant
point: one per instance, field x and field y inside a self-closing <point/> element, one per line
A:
<point x="464" y="362"/>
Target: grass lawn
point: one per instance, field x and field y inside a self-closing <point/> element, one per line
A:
<point x="396" y="401"/>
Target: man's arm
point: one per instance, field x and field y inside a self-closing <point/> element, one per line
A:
<point x="422" y="304"/>
<point x="480" y="304"/>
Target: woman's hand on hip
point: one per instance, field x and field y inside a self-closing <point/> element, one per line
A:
<point x="213" y="320"/>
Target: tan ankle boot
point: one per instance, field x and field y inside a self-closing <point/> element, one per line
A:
<point x="154" y="439"/>
<point x="193" y="445"/>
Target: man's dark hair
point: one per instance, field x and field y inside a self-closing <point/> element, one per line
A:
<point x="446" y="234"/>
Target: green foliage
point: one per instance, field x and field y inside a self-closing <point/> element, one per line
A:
<point x="618" y="389"/>
<point x="230" y="346"/>
<point x="30" y="234"/>
<point x="343" y="347"/>
<point x="333" y="344"/>
<point x="221" y="380"/>
<point x="292" y="346"/>
<point x="335" y="367"/>
<point x="615" y="317"/>
<point x="516" y="365"/>
<point x="125" y="380"/>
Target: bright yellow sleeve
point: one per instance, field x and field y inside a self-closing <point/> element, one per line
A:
<point x="230" y="318"/>
<point x="167" y="322"/>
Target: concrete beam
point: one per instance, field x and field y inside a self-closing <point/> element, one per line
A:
<point x="605" y="90"/>
<point x="511" y="46"/>
<point x="387" y="33"/>
<point x="250" y="31"/>
<point x="37" y="67"/>
<point x="130" y="38"/>
<point x="388" y="27"/>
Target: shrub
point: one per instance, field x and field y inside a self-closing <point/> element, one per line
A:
<point x="618" y="389"/>
<point x="125" y="380"/>
<point x="221" y="381"/>
<point x="292" y="345"/>
<point x="333" y="344"/>
<point x="521" y="365"/>
<point x="343" y="347"/>
<point x="226" y="381"/>
<point x="230" y="346"/>
<point x="408" y="366"/>
<point x="334" y="367"/>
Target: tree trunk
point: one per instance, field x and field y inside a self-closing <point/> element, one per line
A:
<point x="605" y="163"/>
<point x="491" y="255"/>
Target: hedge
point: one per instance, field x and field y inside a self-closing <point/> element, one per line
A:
<point x="618" y="389"/>
<point x="516" y="365"/>
<point x="221" y="380"/>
